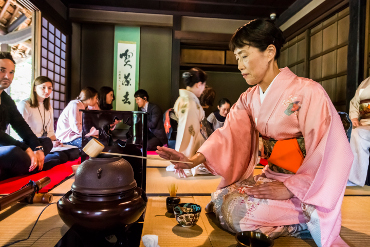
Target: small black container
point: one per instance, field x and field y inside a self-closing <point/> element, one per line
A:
<point x="171" y="202"/>
<point x="253" y="239"/>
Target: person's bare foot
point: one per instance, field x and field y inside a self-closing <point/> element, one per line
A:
<point x="209" y="207"/>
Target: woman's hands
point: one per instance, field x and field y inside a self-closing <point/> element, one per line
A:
<point x="37" y="159"/>
<point x="171" y="154"/>
<point x="273" y="190"/>
<point x="57" y="143"/>
<point x="355" y="122"/>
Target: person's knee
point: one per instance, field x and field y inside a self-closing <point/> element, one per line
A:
<point x="47" y="144"/>
<point x="20" y="161"/>
<point x="73" y="154"/>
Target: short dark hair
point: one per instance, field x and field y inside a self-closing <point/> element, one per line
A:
<point x="207" y="97"/>
<point x="258" y="33"/>
<point x="223" y="101"/>
<point x="87" y="93"/>
<point x="103" y="91"/>
<point x="6" y="55"/>
<point x="142" y="94"/>
<point x="193" y="76"/>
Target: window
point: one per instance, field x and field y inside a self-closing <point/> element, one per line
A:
<point x="53" y="63"/>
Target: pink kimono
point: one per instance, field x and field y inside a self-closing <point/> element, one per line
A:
<point x="293" y="107"/>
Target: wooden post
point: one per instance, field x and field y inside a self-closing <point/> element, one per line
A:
<point x="175" y="63"/>
<point x="356" y="40"/>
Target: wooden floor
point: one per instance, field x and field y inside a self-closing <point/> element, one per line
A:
<point x="17" y="221"/>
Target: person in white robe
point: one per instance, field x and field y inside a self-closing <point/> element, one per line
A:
<point x="359" y="112"/>
<point x="190" y="113"/>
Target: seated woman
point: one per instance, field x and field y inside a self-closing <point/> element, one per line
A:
<point x="217" y="118"/>
<point x="299" y="193"/>
<point x="106" y="98"/>
<point x="360" y="136"/>
<point x="69" y="126"/>
<point x="38" y="113"/>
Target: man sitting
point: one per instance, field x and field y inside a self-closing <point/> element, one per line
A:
<point x="156" y="134"/>
<point x="16" y="158"/>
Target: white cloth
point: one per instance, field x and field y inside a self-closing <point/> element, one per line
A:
<point x="69" y="126"/>
<point x="35" y="117"/>
<point x="150" y="240"/>
<point x="145" y="108"/>
<point x="263" y="94"/>
<point x="360" y="144"/>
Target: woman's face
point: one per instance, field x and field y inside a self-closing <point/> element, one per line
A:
<point x="109" y="98"/>
<point x="44" y="90"/>
<point x="92" y="101"/>
<point x="252" y="63"/>
<point x="224" y="109"/>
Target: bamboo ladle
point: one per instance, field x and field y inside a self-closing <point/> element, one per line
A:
<point x="93" y="148"/>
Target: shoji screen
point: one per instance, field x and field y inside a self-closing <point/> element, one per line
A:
<point x="53" y="62"/>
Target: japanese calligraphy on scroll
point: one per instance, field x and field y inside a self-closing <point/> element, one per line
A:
<point x="126" y="72"/>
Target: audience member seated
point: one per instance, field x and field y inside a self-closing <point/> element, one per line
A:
<point x="156" y="134"/>
<point x="69" y="126"/>
<point x="207" y="98"/>
<point x="16" y="157"/>
<point x="359" y="112"/>
<point x="170" y="127"/>
<point x="106" y="98"/>
<point x="190" y="114"/>
<point x="217" y="118"/>
<point x="38" y="113"/>
<point x="300" y="192"/>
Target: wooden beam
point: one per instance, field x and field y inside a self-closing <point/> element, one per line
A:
<point x="175" y="60"/>
<point x="356" y="39"/>
<point x="13" y="15"/>
<point x="5" y="7"/>
<point x="317" y="15"/>
<point x="199" y="36"/>
<point x="291" y="11"/>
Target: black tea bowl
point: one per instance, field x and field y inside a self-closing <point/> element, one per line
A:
<point x="253" y="239"/>
<point x="171" y="202"/>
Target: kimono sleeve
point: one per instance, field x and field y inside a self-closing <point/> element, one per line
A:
<point x="322" y="177"/>
<point x="231" y="151"/>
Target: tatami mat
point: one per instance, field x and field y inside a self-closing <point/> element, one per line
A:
<point x="357" y="190"/>
<point x="17" y="221"/>
<point x="160" y="223"/>
<point x="63" y="187"/>
<point x="156" y="163"/>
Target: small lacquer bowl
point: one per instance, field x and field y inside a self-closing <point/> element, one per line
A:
<point x="187" y="214"/>
<point x="171" y="202"/>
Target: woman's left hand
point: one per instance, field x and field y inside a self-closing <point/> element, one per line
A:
<point x="273" y="190"/>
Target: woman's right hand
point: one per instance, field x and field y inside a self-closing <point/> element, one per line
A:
<point x="33" y="158"/>
<point x="57" y="143"/>
<point x="171" y="154"/>
<point x="355" y="122"/>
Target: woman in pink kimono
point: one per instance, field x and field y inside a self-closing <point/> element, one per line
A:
<point x="300" y="192"/>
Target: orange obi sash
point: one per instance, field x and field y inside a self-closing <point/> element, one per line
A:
<point x="287" y="155"/>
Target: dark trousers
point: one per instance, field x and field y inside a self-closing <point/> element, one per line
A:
<point x="153" y="142"/>
<point x="15" y="162"/>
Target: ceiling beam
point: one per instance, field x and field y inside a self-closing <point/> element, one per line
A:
<point x="5" y="7"/>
